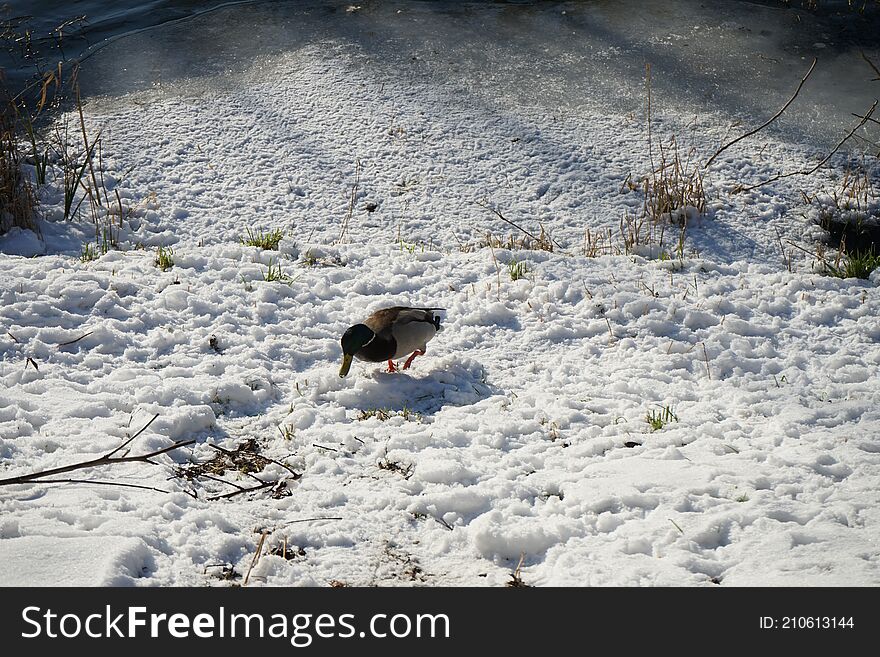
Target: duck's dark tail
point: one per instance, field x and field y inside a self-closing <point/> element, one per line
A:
<point x="436" y="320"/>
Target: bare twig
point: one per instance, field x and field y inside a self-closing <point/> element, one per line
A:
<point x="497" y="271"/>
<point x="101" y="460"/>
<point x="257" y="555"/>
<point x="766" y="123"/>
<point x="869" y="118"/>
<point x="516" y="575"/>
<point x="222" y="481"/>
<point x="106" y="459"/>
<point x="107" y="483"/>
<point x="89" y="149"/>
<point x="74" y="341"/>
<point x="260" y="486"/>
<point x="292" y="522"/>
<point x="872" y="65"/>
<point x="444" y="523"/>
<point x="497" y="213"/>
<point x="808" y="172"/>
<point x="818" y="256"/>
<point x="140" y="431"/>
<point x="648" y="117"/>
<point x="357" y="180"/>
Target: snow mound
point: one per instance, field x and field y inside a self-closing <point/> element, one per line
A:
<point x="74" y="561"/>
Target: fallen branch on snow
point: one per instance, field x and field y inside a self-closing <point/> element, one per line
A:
<point x="106" y="459"/>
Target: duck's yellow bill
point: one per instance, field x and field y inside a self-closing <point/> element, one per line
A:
<point x="346" y="365"/>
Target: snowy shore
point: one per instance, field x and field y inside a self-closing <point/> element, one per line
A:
<point x="524" y="431"/>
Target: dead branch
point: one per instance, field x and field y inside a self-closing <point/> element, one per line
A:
<point x="106" y="459"/>
<point x="109" y="483"/>
<point x="261" y="484"/>
<point x="486" y="206"/>
<point x="222" y="481"/>
<point x="34" y="477"/>
<point x="240" y="490"/>
<point x="329" y="449"/>
<point x="291" y="522"/>
<point x="140" y="431"/>
<point x="814" y="254"/>
<point x="74" y="341"/>
<point x="766" y="123"/>
<point x="808" y="172"/>
<point x="443" y="522"/>
<point x="870" y="118"/>
<point x="872" y="65"/>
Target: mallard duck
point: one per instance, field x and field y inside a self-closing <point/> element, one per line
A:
<point x="388" y="334"/>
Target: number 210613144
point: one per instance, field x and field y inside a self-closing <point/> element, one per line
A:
<point x="806" y="622"/>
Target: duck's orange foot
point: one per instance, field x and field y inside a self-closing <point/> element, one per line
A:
<point x="391" y="367"/>
<point x="411" y="358"/>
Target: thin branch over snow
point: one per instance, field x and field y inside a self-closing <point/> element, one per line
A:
<point x="106" y="459"/>
<point x="808" y="172"/>
<point x="767" y="122"/>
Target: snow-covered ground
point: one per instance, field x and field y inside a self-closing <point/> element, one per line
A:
<point x="522" y="434"/>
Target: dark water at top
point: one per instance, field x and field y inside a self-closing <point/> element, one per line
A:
<point x="87" y="25"/>
<point x="731" y="57"/>
<point x="90" y="24"/>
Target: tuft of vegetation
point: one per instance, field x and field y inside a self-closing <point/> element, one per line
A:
<point x="855" y="265"/>
<point x="268" y="241"/>
<point x="275" y="274"/>
<point x="164" y="258"/>
<point x="89" y="253"/>
<point x="405" y="185"/>
<point x="850" y="213"/>
<point x="409" y="247"/>
<point x="311" y="259"/>
<point x="106" y="240"/>
<point x="673" y="190"/>
<point x="405" y="471"/>
<point x="673" y="193"/>
<point x="517" y="269"/>
<point x="659" y="419"/>
<point x="383" y="414"/>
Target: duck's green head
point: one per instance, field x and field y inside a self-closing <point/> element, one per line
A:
<point x="353" y="340"/>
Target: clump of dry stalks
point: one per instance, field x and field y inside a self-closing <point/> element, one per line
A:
<point x="673" y="194"/>
<point x="17" y="199"/>
<point x="63" y="153"/>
